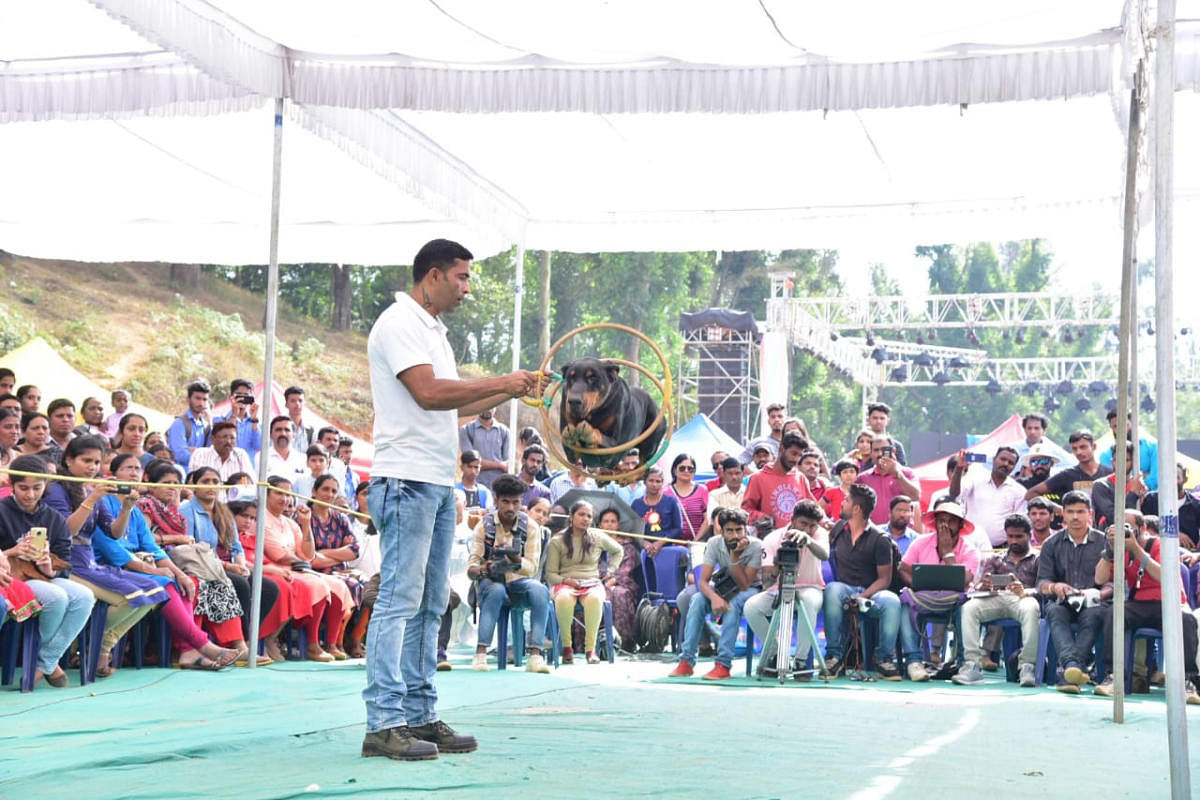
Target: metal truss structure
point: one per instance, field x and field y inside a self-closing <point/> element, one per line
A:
<point x="718" y="375"/>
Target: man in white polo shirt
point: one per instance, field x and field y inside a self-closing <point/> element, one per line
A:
<point x="418" y="398"/>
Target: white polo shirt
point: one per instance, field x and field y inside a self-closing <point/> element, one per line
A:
<point x="410" y="442"/>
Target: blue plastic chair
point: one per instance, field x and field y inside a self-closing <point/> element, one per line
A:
<point x="516" y="613"/>
<point x="556" y="634"/>
<point x="1047" y="656"/>
<point x="23" y="639"/>
<point x="1150" y="635"/>
<point x="90" y="639"/>
<point x="137" y="636"/>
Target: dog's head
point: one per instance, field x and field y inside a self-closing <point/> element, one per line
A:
<point x="586" y="384"/>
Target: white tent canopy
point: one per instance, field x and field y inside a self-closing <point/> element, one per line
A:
<point x="145" y="128"/>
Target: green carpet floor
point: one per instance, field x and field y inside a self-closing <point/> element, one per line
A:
<point x="623" y="730"/>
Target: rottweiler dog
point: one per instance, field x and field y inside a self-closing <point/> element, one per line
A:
<point x="600" y="409"/>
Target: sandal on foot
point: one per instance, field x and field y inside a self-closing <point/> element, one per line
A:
<point x="228" y="656"/>
<point x="203" y="662"/>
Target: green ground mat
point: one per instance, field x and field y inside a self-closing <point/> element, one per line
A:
<point x="623" y="730"/>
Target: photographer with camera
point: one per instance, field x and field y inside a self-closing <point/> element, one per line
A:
<point x="861" y="556"/>
<point x="243" y="412"/>
<point x="739" y="557"/>
<point x="504" y="557"/>
<point x="810" y="545"/>
<point x="1066" y="579"/>
<point x="887" y="478"/>
<point x="1143" y="609"/>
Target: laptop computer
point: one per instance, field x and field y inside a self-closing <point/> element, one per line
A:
<point x="944" y="577"/>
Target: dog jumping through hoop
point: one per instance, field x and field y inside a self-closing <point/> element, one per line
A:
<point x="599" y="409"/>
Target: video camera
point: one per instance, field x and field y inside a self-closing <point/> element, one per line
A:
<point x="764" y="525"/>
<point x="788" y="554"/>
<point x="500" y="564"/>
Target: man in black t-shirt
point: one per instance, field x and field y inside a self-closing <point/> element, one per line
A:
<point x="1040" y="461"/>
<point x="861" y="556"/>
<point x="1189" y="507"/>
<point x="1079" y="477"/>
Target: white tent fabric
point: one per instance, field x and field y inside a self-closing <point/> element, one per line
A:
<point x="582" y="126"/>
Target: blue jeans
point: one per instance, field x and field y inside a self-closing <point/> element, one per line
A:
<point x="66" y="606"/>
<point x="730" y="622"/>
<point x="415" y="521"/>
<point x="491" y="596"/>
<point x="886" y="610"/>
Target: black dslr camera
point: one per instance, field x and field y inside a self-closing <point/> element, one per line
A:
<point x="764" y="525"/>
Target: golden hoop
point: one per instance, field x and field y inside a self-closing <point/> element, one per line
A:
<point x="665" y="410"/>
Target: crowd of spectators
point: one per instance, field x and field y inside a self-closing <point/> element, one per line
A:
<point x="1031" y="527"/>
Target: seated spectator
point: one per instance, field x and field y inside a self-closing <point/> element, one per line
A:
<point x="573" y="570"/>
<point x="508" y="578"/>
<point x="861" y="555"/>
<point x="209" y="521"/>
<point x="92" y="412"/>
<point x="160" y="505"/>
<point x="10" y="434"/>
<point x="10" y="401"/>
<point x="533" y="462"/>
<point x="1104" y="492"/>
<point x="774" y="490"/>
<point x="35" y="432"/>
<point x="1004" y="602"/>
<point x="222" y="456"/>
<point x="739" y="557"/>
<point x="1066" y="570"/>
<point x="806" y="529"/>
<point x="120" y="404"/>
<point x="477" y="495"/>
<point x="317" y="462"/>
<point x="1039" y="462"/>
<point x="628" y="488"/>
<point x="8" y="380"/>
<point x="1041" y="515"/>
<point x="761" y="457"/>
<point x="540" y="511"/>
<point x="65" y="605"/>
<point x="287" y="589"/>
<point x="131" y="430"/>
<point x="328" y="438"/>
<point x="1189" y="508"/>
<point x="336" y="546"/>
<point x="573" y="478"/>
<point x="129" y="596"/>
<point x="716" y="460"/>
<point x="1143" y="609"/>
<point x="243" y="413"/>
<point x="282" y="458"/>
<point x="947" y="545"/>
<point x="529" y="437"/>
<point x="899" y="525"/>
<point x="61" y="412"/>
<point x="860" y="456"/>
<point x="30" y="397"/>
<point x="190" y="430"/>
<point x="289" y="545"/>
<point x="887" y="477"/>
<point x="660" y="511"/>
<point x="623" y="589"/>
<point x="846" y="473"/>
<point x="692" y="497"/>
<point x="729" y="494"/>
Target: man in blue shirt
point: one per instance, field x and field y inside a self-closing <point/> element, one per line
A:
<point x="1147" y="456"/>
<point x="191" y="428"/>
<point x="243" y="412"/>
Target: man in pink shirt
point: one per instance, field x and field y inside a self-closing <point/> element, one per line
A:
<point x="888" y="478"/>
<point x="947" y="545"/>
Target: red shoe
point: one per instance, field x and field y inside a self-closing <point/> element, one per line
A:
<point x="568" y="655"/>
<point x="682" y="670"/>
<point x="719" y="672"/>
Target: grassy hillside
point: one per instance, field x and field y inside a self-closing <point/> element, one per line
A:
<point x="122" y="325"/>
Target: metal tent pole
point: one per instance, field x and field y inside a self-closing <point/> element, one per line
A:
<point x="514" y="458"/>
<point x="268" y="384"/>
<point x="1127" y="343"/>
<point x="1168" y="504"/>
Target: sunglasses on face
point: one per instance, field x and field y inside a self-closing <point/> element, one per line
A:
<point x="1038" y="462"/>
<point x="685" y="468"/>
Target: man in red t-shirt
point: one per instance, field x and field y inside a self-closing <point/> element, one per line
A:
<point x="774" y="490"/>
<point x="1143" y="609"/>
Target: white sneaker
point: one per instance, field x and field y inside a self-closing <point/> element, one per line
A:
<point x="969" y="674"/>
<point x="537" y="664"/>
<point x="917" y="673"/>
<point x="1028" y="675"/>
<point x="479" y="662"/>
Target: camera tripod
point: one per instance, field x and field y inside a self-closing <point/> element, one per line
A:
<point x="781" y="628"/>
